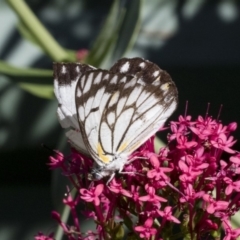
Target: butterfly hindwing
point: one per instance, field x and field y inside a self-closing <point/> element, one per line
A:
<point x="66" y="76"/>
<point x="92" y="106"/>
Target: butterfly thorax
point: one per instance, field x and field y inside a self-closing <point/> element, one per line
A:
<point x="116" y="165"/>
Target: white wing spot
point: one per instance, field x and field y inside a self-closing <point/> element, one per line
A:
<point x="114" y="80"/>
<point x="123" y="80"/>
<point x="88" y="105"/>
<point x="81" y="113"/>
<point x="63" y="70"/>
<point x="131" y="83"/>
<point x="97" y="80"/>
<point x="142" y="64"/>
<point x="106" y="137"/>
<point x="106" y="77"/>
<point x="120" y="105"/>
<point x="156" y="82"/>
<point x="141" y="82"/>
<point x="165" y="87"/>
<point x="103" y="102"/>
<point x="125" y="67"/>
<point x="77" y="68"/>
<point x="114" y="99"/>
<point x="133" y="96"/>
<point x="143" y="96"/>
<point x="111" y="118"/>
<point x="79" y="93"/>
<point x="156" y="73"/>
<point x="121" y="125"/>
<point x="148" y="103"/>
<point x="88" y="83"/>
<point x="98" y="97"/>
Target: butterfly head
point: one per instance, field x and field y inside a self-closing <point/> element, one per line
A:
<point x="110" y="169"/>
<point x="98" y="173"/>
<point x="95" y="175"/>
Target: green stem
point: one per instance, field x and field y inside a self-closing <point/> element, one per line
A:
<point x="47" y="42"/>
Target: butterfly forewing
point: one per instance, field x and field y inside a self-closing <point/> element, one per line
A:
<point x="121" y="111"/>
<point x="92" y="106"/>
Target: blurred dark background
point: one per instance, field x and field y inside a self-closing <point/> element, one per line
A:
<point x="197" y="42"/>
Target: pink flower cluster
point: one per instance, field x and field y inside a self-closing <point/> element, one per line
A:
<point x="187" y="190"/>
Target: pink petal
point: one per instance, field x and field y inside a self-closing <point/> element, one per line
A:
<point x="139" y="228"/>
<point x="148" y="223"/>
<point x="98" y="190"/>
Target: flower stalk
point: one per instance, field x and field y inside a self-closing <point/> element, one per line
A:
<point x="42" y="36"/>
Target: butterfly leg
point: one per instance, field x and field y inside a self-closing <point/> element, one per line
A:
<point x="135" y="158"/>
<point x="111" y="178"/>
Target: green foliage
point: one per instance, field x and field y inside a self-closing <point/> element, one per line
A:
<point x="116" y="37"/>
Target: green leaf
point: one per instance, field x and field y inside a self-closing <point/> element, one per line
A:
<point x="28" y="35"/>
<point x="34" y="30"/>
<point x="118" y="231"/>
<point x="38" y="82"/>
<point x="117" y="34"/>
<point x="107" y="37"/>
<point x="39" y="90"/>
<point x="129" y="29"/>
<point x="10" y="70"/>
<point x="24" y="31"/>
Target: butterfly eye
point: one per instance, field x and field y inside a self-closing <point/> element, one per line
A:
<point x="95" y="175"/>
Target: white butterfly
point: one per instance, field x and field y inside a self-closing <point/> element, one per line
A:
<point x="112" y="113"/>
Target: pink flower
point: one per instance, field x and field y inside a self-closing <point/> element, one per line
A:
<point x="40" y="236"/>
<point x="92" y="195"/>
<point x="81" y="54"/>
<point x="231" y="234"/>
<point x="117" y="188"/>
<point x="135" y="192"/>
<point x="146" y="231"/>
<point x="232" y="126"/>
<point x="214" y="205"/>
<point x="167" y="215"/>
<point x="56" y="161"/>
<point x="183" y="143"/>
<point x="177" y="131"/>
<point x="190" y="195"/>
<point x="235" y="159"/>
<point x="158" y="172"/>
<point x="231" y="186"/>
<point x="223" y="143"/>
<point x="70" y="201"/>
<point x="188" y="183"/>
<point x="151" y="196"/>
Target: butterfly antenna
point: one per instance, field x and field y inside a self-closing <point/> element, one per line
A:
<point x="207" y="111"/>
<point x="219" y="112"/>
<point x="186" y="109"/>
<point x="177" y="190"/>
<point x="50" y="149"/>
<point x="69" y="190"/>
